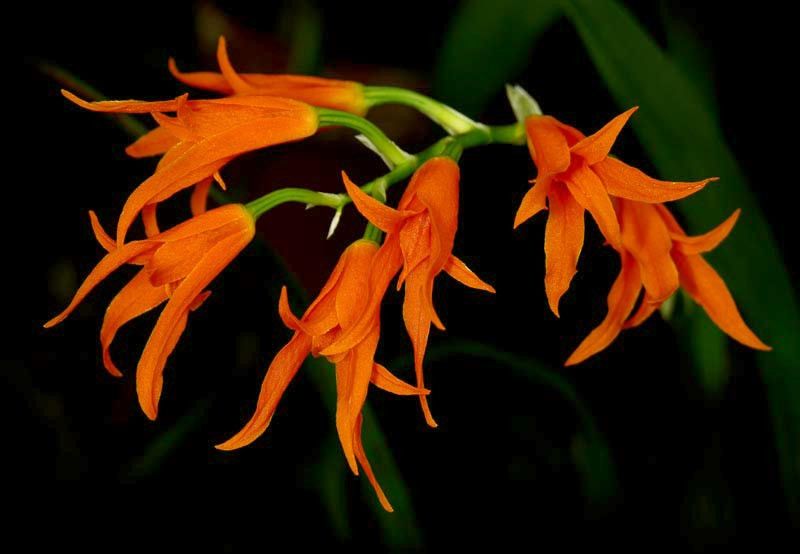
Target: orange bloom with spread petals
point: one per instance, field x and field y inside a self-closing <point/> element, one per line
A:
<point x="576" y="174"/>
<point x="658" y="256"/>
<point x="202" y="138"/>
<point x="339" y="305"/>
<point x="347" y="96"/>
<point x="419" y="238"/>
<point x="177" y="266"/>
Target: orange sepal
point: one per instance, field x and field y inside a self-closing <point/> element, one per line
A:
<point x="152" y="143"/>
<point x="596" y="147"/>
<point x="417" y="318"/>
<point x="126" y="106"/>
<point x="621" y="301"/>
<point x="204" y="80"/>
<point x="563" y="241"/>
<point x="547" y="144"/>
<point x="362" y="459"/>
<point x="380" y="215"/>
<point x="279" y="374"/>
<point x="707" y="241"/>
<point x="459" y="271"/>
<point x="534" y="201"/>
<point x="388" y="381"/>
<point x="625" y="181"/>
<point x="707" y="288"/>
<point x="588" y="190"/>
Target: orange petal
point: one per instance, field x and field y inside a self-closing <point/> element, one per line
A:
<point x="533" y="202"/>
<point x="621" y="301"/>
<point x="151" y="364"/>
<point x="380" y="215"/>
<point x="345" y="373"/>
<point x="204" y="80"/>
<point x="590" y="193"/>
<point x="596" y="147"/>
<point x="150" y="220"/>
<point x="547" y="144"/>
<point x="135" y="298"/>
<point x="459" y="271"/>
<point x="279" y="374"/>
<point x="646" y="309"/>
<point x="153" y="143"/>
<point x="239" y="85"/>
<point x="386" y="380"/>
<point x="646" y="237"/>
<point x="385" y="266"/>
<point x="563" y="241"/>
<point x="287" y="316"/>
<point x="708" y="289"/>
<point x="199" y="199"/>
<point x="208" y="155"/>
<point x="362" y="459"/>
<point x="438" y="192"/>
<point x="126" y="106"/>
<point x="625" y="181"/>
<point x="103" y="269"/>
<point x="707" y="241"/>
<point x="175" y="127"/>
<point x="416" y="316"/>
<point x="100" y="234"/>
<point x="173" y="260"/>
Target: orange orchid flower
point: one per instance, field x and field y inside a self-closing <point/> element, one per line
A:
<point x="203" y="137"/>
<point x="347" y="96"/>
<point x="177" y="265"/>
<point x="576" y="174"/>
<point x="420" y="234"/>
<point x="658" y="256"/>
<point x="339" y="305"/>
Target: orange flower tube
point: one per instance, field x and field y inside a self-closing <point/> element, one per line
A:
<point x="658" y="256"/>
<point x="347" y="96"/>
<point x="177" y="266"/>
<point x="420" y="234"/>
<point x="576" y="174"/>
<point x="339" y="305"/>
<point x="203" y="137"/>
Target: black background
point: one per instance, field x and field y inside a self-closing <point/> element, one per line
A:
<point x="694" y="470"/>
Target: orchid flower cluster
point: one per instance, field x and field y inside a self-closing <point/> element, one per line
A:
<point x="412" y="242"/>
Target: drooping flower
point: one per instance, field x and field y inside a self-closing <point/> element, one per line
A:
<point x="419" y="238"/>
<point x="177" y="266"/>
<point x="576" y="174"/>
<point x="347" y="96"/>
<point x="339" y="305"/>
<point x="657" y="255"/>
<point x="203" y="137"/>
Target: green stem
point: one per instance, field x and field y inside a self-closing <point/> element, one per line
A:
<point x="448" y="146"/>
<point x="450" y="120"/>
<point x="388" y="150"/>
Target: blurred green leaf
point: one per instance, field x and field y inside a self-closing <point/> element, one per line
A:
<point x="590" y="450"/>
<point x="685" y="141"/>
<point x="488" y="43"/>
<point x="302" y="26"/>
<point x="167" y="442"/>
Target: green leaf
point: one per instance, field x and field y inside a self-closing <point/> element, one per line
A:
<point x="488" y="43"/>
<point x="684" y="140"/>
<point x="590" y="451"/>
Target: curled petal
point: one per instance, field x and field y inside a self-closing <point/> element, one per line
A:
<point x="386" y="380"/>
<point x="199" y="200"/>
<point x="707" y="241"/>
<point x="621" y="301"/>
<point x="459" y="271"/>
<point x="153" y="143"/>
<point x="126" y="106"/>
<point x="563" y="241"/>
<point x="279" y="374"/>
<point x="596" y="147"/>
<point x="135" y="298"/>
<point x="534" y="201"/>
<point x="239" y="85"/>
<point x="646" y="309"/>
<point x="204" y="80"/>
<point x="625" y="181"/>
<point x="380" y="215"/>
<point x="362" y="459"/>
<point x="287" y="316"/>
<point x="103" y="269"/>
<point x="590" y="193"/>
<point x="707" y="288"/>
<point x="100" y="234"/>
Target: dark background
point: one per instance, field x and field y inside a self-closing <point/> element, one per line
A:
<point x="693" y="467"/>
